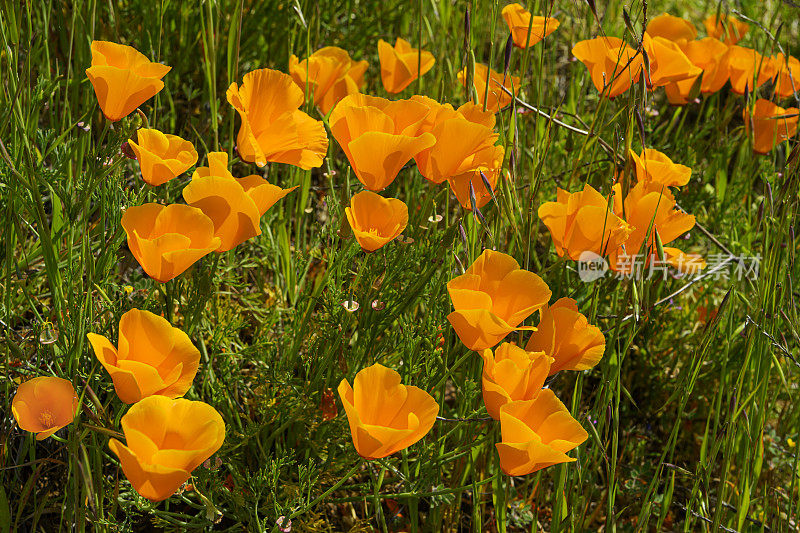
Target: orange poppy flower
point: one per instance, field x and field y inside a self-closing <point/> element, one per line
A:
<point x="653" y="166"/>
<point x="152" y="358"/>
<point x="510" y="374"/>
<point x="710" y="55"/>
<point x="613" y="65"/>
<point x="582" y="222"/>
<point x="768" y="129"/>
<point x="165" y="440"/>
<point x="123" y="78"/>
<point x="44" y="405"/>
<point x="492" y="298"/>
<point x="273" y="128"/>
<point x="384" y="415"/>
<point x="672" y="28"/>
<point x="726" y="28"/>
<point x="375" y="220"/>
<point x="376" y="139"/>
<point x="668" y="63"/>
<point x="166" y="240"/>
<point x="162" y="156"/>
<point x="401" y="64"/>
<point x="525" y="29"/>
<point x="788" y="78"/>
<point x="488" y="80"/>
<point x="460" y="184"/>
<point x="565" y="335"/>
<point x="646" y="204"/>
<point x="329" y="75"/>
<point x="746" y="66"/>
<point x="689" y="264"/>
<point x="536" y="434"/>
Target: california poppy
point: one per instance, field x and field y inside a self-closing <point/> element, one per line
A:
<point x="511" y="373"/>
<point x="613" y="65"/>
<point x="166" y="240"/>
<point x="673" y="28"/>
<point x="725" y="28"/>
<point x="582" y="222"/>
<point x="152" y="357"/>
<point x="536" y="434"/>
<point x="385" y="416"/>
<point x="653" y="166"/>
<point x="689" y="264"/>
<point x="787" y="82"/>
<point x="492" y="298"/>
<point x="668" y="63"/>
<point x="375" y="220"/>
<point x="401" y="64"/>
<point x="44" y="405"/>
<point x="376" y="139"/>
<point x="709" y="54"/>
<point x="525" y="29"/>
<point x="123" y="78"/>
<point x="162" y="156"/>
<point x="565" y="334"/>
<point x="489" y="87"/>
<point x="165" y="440"/>
<point x="770" y="123"/>
<point x="748" y="70"/>
<point x="273" y="128"/>
<point x="329" y="75"/>
<point x="482" y="181"/>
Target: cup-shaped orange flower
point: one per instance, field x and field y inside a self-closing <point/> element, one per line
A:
<point x="536" y="434"/>
<point x="613" y="65"/>
<point x="492" y="298"/>
<point x="165" y="440"/>
<point x="375" y="220"/>
<point x="162" y="156"/>
<point x="44" y="405"/>
<point x="489" y="86"/>
<point x="770" y="124"/>
<point x="748" y="70"/>
<point x="725" y="28"/>
<point x="688" y="264"/>
<point x="710" y="55"/>
<point x="328" y="75"/>
<point x="511" y="374"/>
<point x="375" y="141"/>
<point x="787" y="81"/>
<point x="582" y="222"/>
<point x="152" y="357"/>
<point x="166" y="240"/>
<point x="123" y="78"/>
<point x="273" y="128"/>
<point x="483" y="182"/>
<point x="385" y="416"/>
<point x="401" y="64"/>
<point x="672" y="28"/>
<point x="668" y="63"/>
<point x="565" y="335"/>
<point x="527" y="30"/>
<point x="653" y="166"/>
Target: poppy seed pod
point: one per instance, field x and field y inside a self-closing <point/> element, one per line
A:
<point x="401" y="64"/>
<point x="525" y="29"/>
<point x="44" y="405"/>
<point x="162" y="157"/>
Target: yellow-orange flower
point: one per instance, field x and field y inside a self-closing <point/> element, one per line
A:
<point x="162" y="156"/>
<point x="726" y="28"/>
<point x="123" y="78"/>
<point x="329" y="75"/>
<point x="460" y="185"/>
<point x="710" y="55"/>
<point x="672" y="28"/>
<point x="689" y="264"/>
<point x="165" y="440"/>
<point x="166" y="240"/>
<point x="44" y="405"/>
<point x="668" y="63"/>
<point x="536" y="434"/>
<point x="376" y="220"/>
<point x="525" y="29"/>
<point x="510" y="374"/>
<point x="582" y="222"/>
<point x="489" y="85"/>
<point x="613" y="65"/>
<point x="653" y="166"/>
<point x="565" y="335"/>
<point x="768" y="128"/>
<point x="384" y="415"/>
<point x="492" y="298"/>
<point x="744" y="65"/>
<point x="401" y="64"/>
<point x="152" y="357"/>
<point x="273" y="128"/>
<point x="376" y="136"/>
<point x="788" y="78"/>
